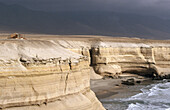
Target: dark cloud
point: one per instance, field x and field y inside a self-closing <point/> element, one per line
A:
<point x="148" y="7"/>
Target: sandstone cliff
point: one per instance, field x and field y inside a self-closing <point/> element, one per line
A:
<point x="41" y="75"/>
<point x="144" y="59"/>
<point x="54" y="73"/>
<point x="111" y="58"/>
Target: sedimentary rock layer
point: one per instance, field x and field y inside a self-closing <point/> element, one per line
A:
<point x="144" y="59"/>
<point x="55" y="74"/>
<point x="41" y="75"/>
<point x="109" y="58"/>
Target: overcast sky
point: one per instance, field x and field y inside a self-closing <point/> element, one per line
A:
<point x="149" y="7"/>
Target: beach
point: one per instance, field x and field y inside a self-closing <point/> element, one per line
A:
<point x="109" y="91"/>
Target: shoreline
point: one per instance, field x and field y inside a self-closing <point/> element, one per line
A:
<point x="110" y="92"/>
<point x="113" y="88"/>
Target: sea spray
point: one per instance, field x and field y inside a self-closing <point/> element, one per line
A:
<point x="152" y="97"/>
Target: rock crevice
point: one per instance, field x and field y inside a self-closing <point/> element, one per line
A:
<point x="40" y="75"/>
<point x="113" y="58"/>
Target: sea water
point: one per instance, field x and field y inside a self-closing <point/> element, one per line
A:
<point x="152" y="97"/>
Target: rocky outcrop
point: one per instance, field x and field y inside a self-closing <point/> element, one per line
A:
<point x="143" y="59"/>
<point x="111" y="58"/>
<point x="82" y="48"/>
<point x="41" y="75"/>
<point x="162" y="60"/>
<point x="55" y="74"/>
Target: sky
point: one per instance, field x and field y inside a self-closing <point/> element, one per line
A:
<point x="159" y="8"/>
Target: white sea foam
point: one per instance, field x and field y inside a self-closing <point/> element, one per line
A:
<point x="153" y="97"/>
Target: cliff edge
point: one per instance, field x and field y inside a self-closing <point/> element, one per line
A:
<point x="53" y="72"/>
<point x="41" y="75"/>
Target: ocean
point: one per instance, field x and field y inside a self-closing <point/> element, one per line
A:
<point x="152" y="97"/>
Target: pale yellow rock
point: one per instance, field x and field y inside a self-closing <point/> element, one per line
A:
<point x="40" y="75"/>
<point x="142" y="58"/>
<point x="93" y="75"/>
<point x="108" y="70"/>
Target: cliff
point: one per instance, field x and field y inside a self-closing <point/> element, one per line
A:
<point x="145" y="59"/>
<point x="54" y="72"/>
<point x="41" y="75"/>
<point x="111" y="58"/>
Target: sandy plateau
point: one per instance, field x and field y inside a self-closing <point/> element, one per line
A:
<point x="50" y="72"/>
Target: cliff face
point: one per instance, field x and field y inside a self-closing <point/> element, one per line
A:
<point x="55" y="74"/>
<point x="144" y="59"/>
<point x="41" y="75"/>
<point x="162" y="60"/>
<point x="109" y="58"/>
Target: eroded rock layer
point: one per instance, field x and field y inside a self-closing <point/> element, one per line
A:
<point x="109" y="58"/>
<point x="40" y="75"/>
<point x="144" y="59"/>
<point x="55" y="74"/>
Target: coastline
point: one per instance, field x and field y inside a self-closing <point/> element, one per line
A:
<point x="75" y="62"/>
<point x="110" y="89"/>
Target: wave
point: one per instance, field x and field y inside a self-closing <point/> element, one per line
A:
<point x="152" y="97"/>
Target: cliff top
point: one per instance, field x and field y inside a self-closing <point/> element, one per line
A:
<point x="87" y="38"/>
<point x="28" y="49"/>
